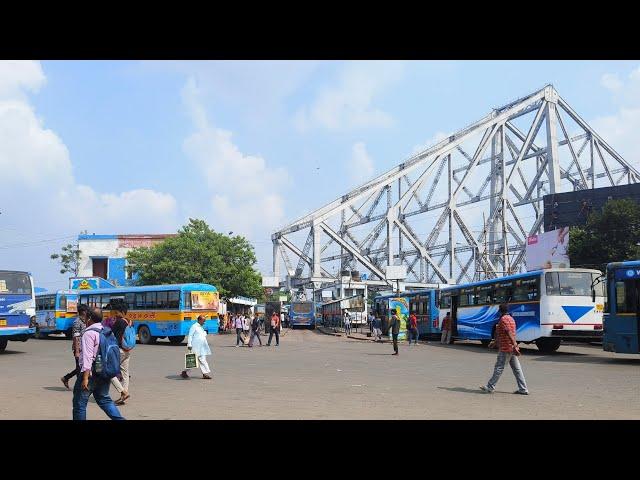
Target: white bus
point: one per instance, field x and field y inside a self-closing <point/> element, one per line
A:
<point x="547" y="305"/>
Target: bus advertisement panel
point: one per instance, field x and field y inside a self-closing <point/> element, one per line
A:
<point x="400" y="305"/>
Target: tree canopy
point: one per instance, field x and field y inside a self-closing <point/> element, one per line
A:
<point x="612" y="235"/>
<point x="198" y="254"/>
<point x="69" y="259"/>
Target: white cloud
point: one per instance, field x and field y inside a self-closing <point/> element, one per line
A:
<point x="349" y="103"/>
<point x="620" y="130"/>
<point x="361" y="165"/>
<point x="40" y="195"/>
<point x="611" y="81"/>
<point x="243" y="187"/>
<point x="438" y="137"/>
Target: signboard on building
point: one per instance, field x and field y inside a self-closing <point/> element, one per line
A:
<point x="83" y="284"/>
<point x="549" y="249"/>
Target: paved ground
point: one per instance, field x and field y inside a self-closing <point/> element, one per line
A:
<point x="316" y="376"/>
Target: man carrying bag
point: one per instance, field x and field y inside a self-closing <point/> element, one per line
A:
<point x="198" y="345"/>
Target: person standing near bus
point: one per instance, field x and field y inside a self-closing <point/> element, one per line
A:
<point x="246" y="327"/>
<point x="120" y="323"/>
<point x="197" y="342"/>
<point x="394" y="325"/>
<point x="508" y="351"/>
<point x="86" y="383"/>
<point x="275" y="329"/>
<point x="238" y="324"/>
<point x="347" y="323"/>
<point x="377" y="328"/>
<point x="445" y="338"/>
<point x="413" y="328"/>
<point x="76" y="331"/>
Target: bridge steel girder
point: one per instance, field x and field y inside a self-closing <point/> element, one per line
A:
<point x="521" y="167"/>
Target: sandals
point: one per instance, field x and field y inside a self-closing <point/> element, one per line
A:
<point x="206" y="377"/>
<point x="122" y="400"/>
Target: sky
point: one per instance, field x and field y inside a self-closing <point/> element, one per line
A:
<point x="123" y="147"/>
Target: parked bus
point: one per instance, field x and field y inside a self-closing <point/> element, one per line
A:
<point x="333" y="311"/>
<point x="56" y="312"/>
<point x="162" y="311"/>
<point x="17" y="307"/>
<point x="622" y="311"/>
<point x="547" y="306"/>
<point x="423" y="303"/>
<point x="302" y="314"/>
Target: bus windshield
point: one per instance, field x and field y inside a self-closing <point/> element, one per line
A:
<point x="302" y="308"/>
<point x="571" y="283"/>
<point x="15" y="283"/>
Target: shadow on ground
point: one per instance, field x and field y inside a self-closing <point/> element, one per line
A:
<point x="10" y="352"/>
<point x="58" y="389"/>
<point x="464" y="390"/>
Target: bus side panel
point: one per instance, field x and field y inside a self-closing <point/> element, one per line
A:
<point x="527" y="318"/>
<point x="475" y="323"/>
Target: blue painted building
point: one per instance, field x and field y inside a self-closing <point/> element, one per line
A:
<point x="105" y="256"/>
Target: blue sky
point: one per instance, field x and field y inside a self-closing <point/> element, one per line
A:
<point x="138" y="147"/>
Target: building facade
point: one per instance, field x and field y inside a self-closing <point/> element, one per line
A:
<point x="105" y="256"/>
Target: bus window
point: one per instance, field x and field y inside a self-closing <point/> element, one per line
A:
<point x="526" y="291"/>
<point x="173" y="299"/>
<point x="63" y="303"/>
<point x="413" y="305"/>
<point x="445" y="301"/>
<point x="626" y="297"/>
<point x="130" y="299"/>
<point x="463" y="299"/>
<point x="551" y="281"/>
<point x="140" y="301"/>
<point x="485" y="293"/>
<point x="186" y="300"/>
<point x="502" y="295"/>
<point x="150" y="300"/>
<point x="162" y="300"/>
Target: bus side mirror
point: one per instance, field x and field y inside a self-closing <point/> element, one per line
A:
<point x="593" y="294"/>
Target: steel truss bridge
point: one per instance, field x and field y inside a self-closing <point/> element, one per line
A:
<point x="459" y="210"/>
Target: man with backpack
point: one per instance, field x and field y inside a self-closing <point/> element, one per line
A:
<point x="125" y="334"/>
<point x="99" y="363"/>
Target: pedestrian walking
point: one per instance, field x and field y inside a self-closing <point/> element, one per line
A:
<point x="377" y="328"/>
<point x="76" y="332"/>
<point x="394" y="325"/>
<point x="275" y="329"/>
<point x="119" y="323"/>
<point x="197" y="342"/>
<point x="238" y="324"/>
<point x="246" y="327"/>
<point x="413" y="328"/>
<point x="255" y="331"/>
<point x="508" y="351"/>
<point x="347" y="323"/>
<point x="370" y="321"/>
<point x="283" y="320"/>
<point x="89" y="381"/>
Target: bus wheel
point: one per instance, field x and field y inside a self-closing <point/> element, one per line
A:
<point x="145" y="335"/>
<point x="68" y="334"/>
<point x="547" y="344"/>
<point x="177" y="340"/>
<point x="3" y="344"/>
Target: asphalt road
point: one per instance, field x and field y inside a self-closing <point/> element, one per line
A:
<point x="316" y="376"/>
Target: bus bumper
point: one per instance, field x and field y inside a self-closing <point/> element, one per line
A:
<point x="17" y="334"/>
<point x="591" y="335"/>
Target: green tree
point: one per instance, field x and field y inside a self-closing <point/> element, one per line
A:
<point x="612" y="235"/>
<point x="69" y="259"/>
<point x="198" y="254"/>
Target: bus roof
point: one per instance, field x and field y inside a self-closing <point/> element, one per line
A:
<point x="341" y="299"/>
<point x="154" y="288"/>
<point x="628" y="263"/>
<point x="16" y="271"/>
<point x="57" y="292"/>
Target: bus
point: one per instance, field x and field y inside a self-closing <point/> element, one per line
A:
<point x="56" y="312"/>
<point x="333" y="311"/>
<point x="622" y="311"/>
<point x="302" y="314"/>
<point x="423" y="303"/>
<point x="17" y="307"/>
<point x="547" y="305"/>
<point x="162" y="311"/>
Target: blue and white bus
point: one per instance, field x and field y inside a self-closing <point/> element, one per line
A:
<point x="56" y="312"/>
<point x="17" y="307"/>
<point x="622" y="311"/>
<point x="547" y="305"/>
<point x="302" y="314"/>
<point x="162" y="311"/>
<point x="423" y="303"/>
